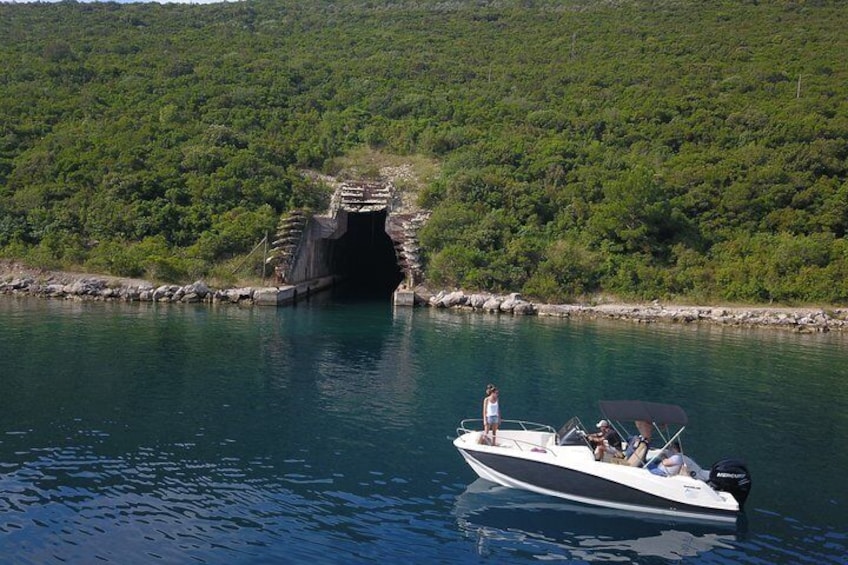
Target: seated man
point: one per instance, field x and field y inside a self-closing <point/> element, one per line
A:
<point x="605" y="441"/>
<point x="670" y="464"/>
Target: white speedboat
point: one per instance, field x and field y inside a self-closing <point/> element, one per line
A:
<point x="561" y="463"/>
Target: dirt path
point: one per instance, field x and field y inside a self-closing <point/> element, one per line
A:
<point x="14" y="270"/>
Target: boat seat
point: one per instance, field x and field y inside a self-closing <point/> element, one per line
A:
<point x="613" y="458"/>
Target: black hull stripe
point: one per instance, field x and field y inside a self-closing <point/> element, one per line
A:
<point x="571" y="482"/>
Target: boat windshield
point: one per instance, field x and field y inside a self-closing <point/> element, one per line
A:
<point x="572" y="433"/>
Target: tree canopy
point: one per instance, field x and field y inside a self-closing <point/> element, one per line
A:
<point x="646" y="149"/>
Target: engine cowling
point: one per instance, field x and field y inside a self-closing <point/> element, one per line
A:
<point x="732" y="476"/>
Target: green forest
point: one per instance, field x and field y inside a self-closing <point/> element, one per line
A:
<point x="645" y="149"/>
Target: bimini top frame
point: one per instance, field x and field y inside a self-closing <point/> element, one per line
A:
<point x="654" y="415"/>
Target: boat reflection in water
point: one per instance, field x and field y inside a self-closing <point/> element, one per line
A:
<point x="505" y="519"/>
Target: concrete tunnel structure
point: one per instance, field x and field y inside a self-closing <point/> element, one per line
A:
<point x="363" y="242"/>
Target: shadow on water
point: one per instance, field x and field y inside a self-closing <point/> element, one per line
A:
<point x="503" y="518"/>
<point x="355" y="291"/>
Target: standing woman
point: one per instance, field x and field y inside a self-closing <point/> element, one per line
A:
<point x="491" y="414"/>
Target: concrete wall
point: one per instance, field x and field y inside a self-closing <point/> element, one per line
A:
<point x="285" y="295"/>
<point x="314" y="258"/>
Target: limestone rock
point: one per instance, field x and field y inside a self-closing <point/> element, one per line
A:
<point x="477" y="301"/>
<point x="493" y="304"/>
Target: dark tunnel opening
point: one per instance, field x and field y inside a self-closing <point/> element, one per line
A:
<point x="365" y="257"/>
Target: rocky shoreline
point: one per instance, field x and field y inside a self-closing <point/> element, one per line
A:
<point x="806" y="320"/>
<point x="18" y="280"/>
<point x="96" y="288"/>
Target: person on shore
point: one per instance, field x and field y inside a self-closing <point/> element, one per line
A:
<point x="491" y="415"/>
<point x="670" y="465"/>
<point x="607" y="440"/>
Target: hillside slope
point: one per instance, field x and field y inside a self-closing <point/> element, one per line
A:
<point x="647" y="149"/>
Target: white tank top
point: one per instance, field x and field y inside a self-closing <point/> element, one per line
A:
<point x="491" y="408"/>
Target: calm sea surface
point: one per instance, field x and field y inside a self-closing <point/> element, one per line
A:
<point x="321" y="433"/>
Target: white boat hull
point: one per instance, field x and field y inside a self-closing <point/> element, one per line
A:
<point x="532" y="461"/>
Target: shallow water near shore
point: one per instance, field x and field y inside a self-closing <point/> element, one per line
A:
<point x="138" y="433"/>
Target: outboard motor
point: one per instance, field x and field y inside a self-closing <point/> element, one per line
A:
<point x="731" y="475"/>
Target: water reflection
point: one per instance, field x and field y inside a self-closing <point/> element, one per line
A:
<point x="502" y="518"/>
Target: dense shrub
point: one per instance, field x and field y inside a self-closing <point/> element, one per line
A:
<point x="643" y="148"/>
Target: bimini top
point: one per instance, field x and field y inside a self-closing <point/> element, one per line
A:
<point x="640" y="410"/>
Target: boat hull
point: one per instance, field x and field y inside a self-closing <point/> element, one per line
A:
<point x="549" y="475"/>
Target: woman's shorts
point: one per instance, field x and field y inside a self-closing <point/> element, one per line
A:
<point x="491" y="420"/>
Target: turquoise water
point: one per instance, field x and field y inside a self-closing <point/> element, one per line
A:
<point x="320" y="433"/>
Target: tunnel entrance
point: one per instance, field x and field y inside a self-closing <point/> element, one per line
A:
<point x="364" y="246"/>
<point x="365" y="257"/>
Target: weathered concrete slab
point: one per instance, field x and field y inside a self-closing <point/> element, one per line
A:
<point x="289" y="294"/>
<point x="404" y="298"/>
<point x="274" y="296"/>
